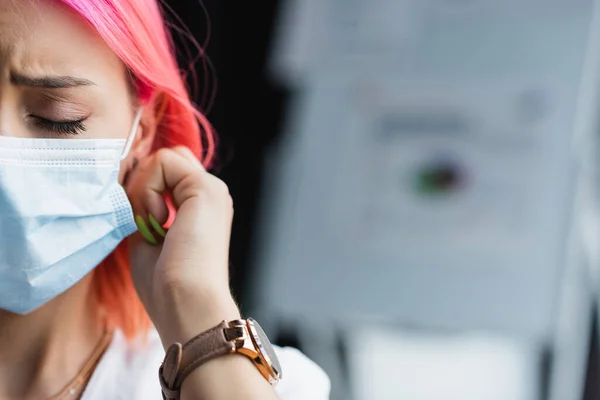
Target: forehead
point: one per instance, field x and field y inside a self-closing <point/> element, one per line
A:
<point x="45" y="37"/>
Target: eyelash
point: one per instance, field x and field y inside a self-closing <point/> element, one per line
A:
<point x="60" y="127"/>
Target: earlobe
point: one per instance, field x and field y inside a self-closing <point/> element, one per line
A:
<point x="146" y="133"/>
<point x="133" y="134"/>
<point x="145" y="124"/>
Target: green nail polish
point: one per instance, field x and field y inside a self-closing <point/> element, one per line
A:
<point x="144" y="230"/>
<point x="159" y="229"/>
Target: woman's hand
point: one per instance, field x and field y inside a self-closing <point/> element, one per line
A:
<point x="183" y="279"/>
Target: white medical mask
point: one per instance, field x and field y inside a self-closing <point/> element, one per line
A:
<point x="62" y="211"/>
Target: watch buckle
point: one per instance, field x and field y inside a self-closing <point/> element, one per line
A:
<point x="237" y="332"/>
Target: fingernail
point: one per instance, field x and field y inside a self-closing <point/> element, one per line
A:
<point x="159" y="229"/>
<point x="144" y="230"/>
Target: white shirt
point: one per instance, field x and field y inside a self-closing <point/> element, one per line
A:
<point x="129" y="371"/>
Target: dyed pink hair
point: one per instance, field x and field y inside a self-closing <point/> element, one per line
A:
<point x="136" y="31"/>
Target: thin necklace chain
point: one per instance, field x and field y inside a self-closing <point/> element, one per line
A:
<point x="74" y="389"/>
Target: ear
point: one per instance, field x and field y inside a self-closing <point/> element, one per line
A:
<point x="144" y="137"/>
<point x="142" y="144"/>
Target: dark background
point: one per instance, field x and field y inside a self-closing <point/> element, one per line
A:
<point x="247" y="110"/>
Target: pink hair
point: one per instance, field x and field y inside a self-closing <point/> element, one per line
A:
<point x="136" y="31"/>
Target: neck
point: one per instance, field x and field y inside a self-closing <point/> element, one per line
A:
<point x="42" y="351"/>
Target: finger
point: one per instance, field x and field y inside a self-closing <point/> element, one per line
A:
<point x="167" y="171"/>
<point x="187" y="153"/>
<point x="145" y="201"/>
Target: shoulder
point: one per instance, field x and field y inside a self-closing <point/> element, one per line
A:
<point x="129" y="370"/>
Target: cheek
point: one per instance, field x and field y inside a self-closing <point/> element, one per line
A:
<point x="112" y="116"/>
<point x="104" y="124"/>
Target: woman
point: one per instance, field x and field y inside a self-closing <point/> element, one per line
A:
<point x="97" y="128"/>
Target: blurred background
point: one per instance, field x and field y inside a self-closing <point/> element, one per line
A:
<point x="415" y="186"/>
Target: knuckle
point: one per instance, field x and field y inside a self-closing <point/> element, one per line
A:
<point x="161" y="154"/>
<point x="219" y="192"/>
<point x="186" y="150"/>
<point x="181" y="148"/>
<point x="194" y="183"/>
<point x="223" y="193"/>
<point x="216" y="186"/>
<point x="221" y="187"/>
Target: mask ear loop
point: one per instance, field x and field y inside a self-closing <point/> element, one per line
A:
<point x="133" y="133"/>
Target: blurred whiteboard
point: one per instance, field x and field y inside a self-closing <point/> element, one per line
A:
<point x="477" y="99"/>
<point x="367" y="141"/>
<point x="348" y="215"/>
<point x="487" y="90"/>
<point x="485" y="161"/>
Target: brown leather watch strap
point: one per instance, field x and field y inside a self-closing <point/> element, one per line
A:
<point x="180" y="360"/>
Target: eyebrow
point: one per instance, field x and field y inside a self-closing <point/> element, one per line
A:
<point x="49" y="82"/>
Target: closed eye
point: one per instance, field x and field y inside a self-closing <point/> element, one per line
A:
<point x="69" y="127"/>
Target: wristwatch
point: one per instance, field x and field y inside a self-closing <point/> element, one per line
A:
<point x="240" y="336"/>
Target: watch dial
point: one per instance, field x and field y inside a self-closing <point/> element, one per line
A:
<point x="265" y="346"/>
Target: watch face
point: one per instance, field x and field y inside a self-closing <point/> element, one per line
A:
<point x="265" y="347"/>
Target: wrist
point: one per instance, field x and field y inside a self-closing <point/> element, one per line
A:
<point x="185" y="316"/>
